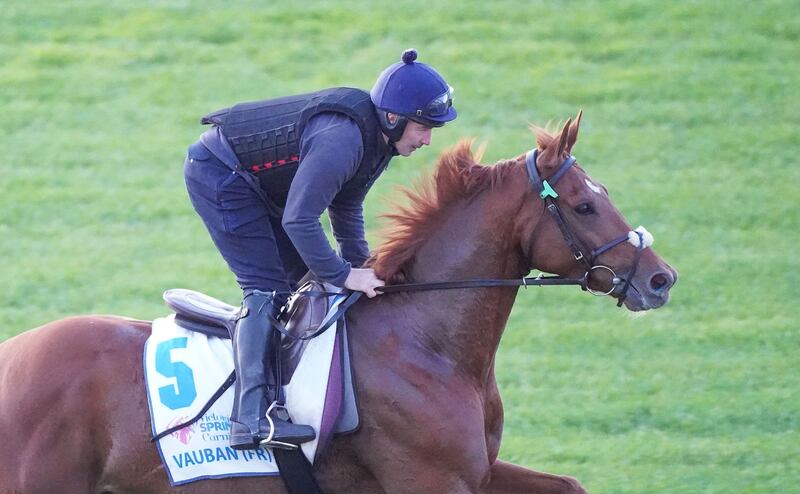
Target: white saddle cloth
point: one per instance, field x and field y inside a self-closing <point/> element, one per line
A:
<point x="183" y="369"/>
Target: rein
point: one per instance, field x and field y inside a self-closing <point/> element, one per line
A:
<point x="353" y="296"/>
<point x="540" y="280"/>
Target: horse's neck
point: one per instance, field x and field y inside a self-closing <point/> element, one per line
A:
<point x="465" y="326"/>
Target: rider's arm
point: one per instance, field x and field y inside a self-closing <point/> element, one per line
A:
<point x="347" y="222"/>
<point x="330" y="149"/>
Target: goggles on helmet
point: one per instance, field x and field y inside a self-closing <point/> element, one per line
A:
<point x="438" y="107"/>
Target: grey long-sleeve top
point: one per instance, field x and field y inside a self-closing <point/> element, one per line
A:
<point x="331" y="149"/>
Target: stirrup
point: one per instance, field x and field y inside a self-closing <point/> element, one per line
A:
<point x="277" y="444"/>
<point x="269" y="442"/>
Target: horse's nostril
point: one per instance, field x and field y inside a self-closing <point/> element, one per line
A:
<point x="659" y="282"/>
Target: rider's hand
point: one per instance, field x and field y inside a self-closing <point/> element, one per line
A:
<point x="363" y="280"/>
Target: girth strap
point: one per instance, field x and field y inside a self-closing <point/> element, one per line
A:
<point x="296" y="471"/>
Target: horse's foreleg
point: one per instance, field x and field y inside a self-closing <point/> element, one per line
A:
<point x="507" y="478"/>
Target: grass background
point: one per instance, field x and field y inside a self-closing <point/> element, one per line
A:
<point x="691" y="120"/>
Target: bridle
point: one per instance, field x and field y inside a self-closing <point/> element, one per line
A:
<point x="639" y="237"/>
<point x="545" y="190"/>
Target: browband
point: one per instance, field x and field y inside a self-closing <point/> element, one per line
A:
<point x="545" y="187"/>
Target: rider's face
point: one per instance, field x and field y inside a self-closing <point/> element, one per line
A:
<point x="414" y="137"/>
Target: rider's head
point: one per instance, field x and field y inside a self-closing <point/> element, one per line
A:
<point x="411" y="91"/>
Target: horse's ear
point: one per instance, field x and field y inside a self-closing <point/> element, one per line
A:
<point x="573" y="132"/>
<point x="552" y="148"/>
<point x="562" y="140"/>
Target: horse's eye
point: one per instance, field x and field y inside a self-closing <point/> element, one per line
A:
<point x="584" y="208"/>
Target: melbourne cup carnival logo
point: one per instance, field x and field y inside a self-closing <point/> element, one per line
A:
<point x="183" y="435"/>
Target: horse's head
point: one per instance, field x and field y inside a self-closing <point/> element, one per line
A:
<point x="575" y="229"/>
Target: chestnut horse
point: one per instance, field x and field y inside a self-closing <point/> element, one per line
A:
<point x="74" y="418"/>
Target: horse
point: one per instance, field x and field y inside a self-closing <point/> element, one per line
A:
<point x="74" y="417"/>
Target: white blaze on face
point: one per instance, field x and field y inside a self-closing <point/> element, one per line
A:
<point x="595" y="189"/>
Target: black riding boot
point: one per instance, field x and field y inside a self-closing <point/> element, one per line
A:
<point x="251" y="346"/>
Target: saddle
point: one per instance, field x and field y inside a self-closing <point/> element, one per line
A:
<point x="302" y="315"/>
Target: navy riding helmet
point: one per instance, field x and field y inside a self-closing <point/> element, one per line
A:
<point x="413" y="91"/>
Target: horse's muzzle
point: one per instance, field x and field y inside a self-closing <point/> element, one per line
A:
<point x="652" y="292"/>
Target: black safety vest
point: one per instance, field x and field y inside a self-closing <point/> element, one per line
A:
<point x="265" y="135"/>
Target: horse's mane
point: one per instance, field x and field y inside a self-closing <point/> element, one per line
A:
<point x="457" y="176"/>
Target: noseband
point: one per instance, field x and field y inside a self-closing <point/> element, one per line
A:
<point x="549" y="195"/>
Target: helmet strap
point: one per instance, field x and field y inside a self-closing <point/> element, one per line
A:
<point x="393" y="130"/>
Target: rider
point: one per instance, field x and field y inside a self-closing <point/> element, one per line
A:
<point x="261" y="177"/>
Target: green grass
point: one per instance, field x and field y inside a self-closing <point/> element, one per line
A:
<point x="691" y="120"/>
